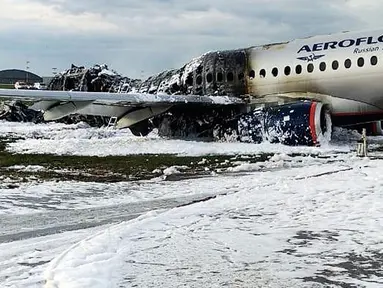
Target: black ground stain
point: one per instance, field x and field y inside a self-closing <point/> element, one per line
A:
<point x="361" y="267"/>
<point x="328" y="282"/>
<point x="366" y="267"/>
<point x="33" y="265"/>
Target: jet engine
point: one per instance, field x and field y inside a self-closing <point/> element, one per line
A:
<point x="299" y="123"/>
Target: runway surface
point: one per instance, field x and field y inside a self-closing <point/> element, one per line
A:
<point x="302" y="217"/>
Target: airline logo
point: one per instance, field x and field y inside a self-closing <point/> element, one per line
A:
<point x="310" y="58"/>
<point x="340" y="44"/>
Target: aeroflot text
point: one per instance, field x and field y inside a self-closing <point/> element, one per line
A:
<point x="342" y="44"/>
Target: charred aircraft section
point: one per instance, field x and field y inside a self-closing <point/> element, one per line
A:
<point x="220" y="73"/>
<point x="213" y="73"/>
<point x="344" y="77"/>
<point x="94" y="79"/>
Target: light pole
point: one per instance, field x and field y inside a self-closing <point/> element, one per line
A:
<point x="27" y="76"/>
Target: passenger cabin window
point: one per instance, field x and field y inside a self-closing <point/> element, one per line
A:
<point x="262" y="73"/>
<point x="219" y="77"/>
<point x="360" y="62"/>
<point x="274" y="71"/>
<point x="252" y="74"/>
<point x="310" y="68"/>
<point x="209" y="77"/>
<point x="189" y="80"/>
<point x="335" y="65"/>
<point x="374" y="60"/>
<point x="287" y="70"/>
<point x="322" y="66"/>
<point x="230" y="77"/>
<point x="199" y="80"/>
<point x="347" y="63"/>
<point x="298" y="69"/>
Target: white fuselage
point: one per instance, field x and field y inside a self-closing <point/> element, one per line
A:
<point x="342" y="70"/>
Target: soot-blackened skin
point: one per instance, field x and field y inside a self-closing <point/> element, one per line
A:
<point x="214" y="73"/>
<point x="195" y="121"/>
<point x="220" y="73"/>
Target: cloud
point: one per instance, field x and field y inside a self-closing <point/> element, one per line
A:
<point x="367" y="12"/>
<point x="153" y="35"/>
<point x="23" y="13"/>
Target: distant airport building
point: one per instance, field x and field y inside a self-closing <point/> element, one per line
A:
<point x="11" y="76"/>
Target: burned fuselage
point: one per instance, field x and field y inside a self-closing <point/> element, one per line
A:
<point x="213" y="73"/>
<point x="340" y="71"/>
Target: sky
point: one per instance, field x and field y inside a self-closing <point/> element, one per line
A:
<point x="138" y="38"/>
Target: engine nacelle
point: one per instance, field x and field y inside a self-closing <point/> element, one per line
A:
<point x="300" y="123"/>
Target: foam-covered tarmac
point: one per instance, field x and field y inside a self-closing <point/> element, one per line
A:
<point x="301" y="217"/>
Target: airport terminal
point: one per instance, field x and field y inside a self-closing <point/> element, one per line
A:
<point x="11" y="76"/>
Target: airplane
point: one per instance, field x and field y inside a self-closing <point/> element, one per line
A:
<point x="292" y="92"/>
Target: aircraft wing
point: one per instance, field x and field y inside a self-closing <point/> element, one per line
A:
<point x="133" y="107"/>
<point x="117" y="99"/>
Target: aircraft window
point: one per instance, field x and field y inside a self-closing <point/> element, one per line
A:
<point x="322" y="66"/>
<point x="310" y="68"/>
<point x="252" y="74"/>
<point x="361" y="62"/>
<point x="241" y="76"/>
<point x="275" y="72"/>
<point x="189" y="80"/>
<point x="287" y="70"/>
<point x="209" y="77"/>
<point x="199" y="80"/>
<point x="219" y="77"/>
<point x="374" y="60"/>
<point x="298" y="69"/>
<point x="230" y="77"/>
<point x="262" y="73"/>
<point x="347" y="63"/>
<point x="335" y="65"/>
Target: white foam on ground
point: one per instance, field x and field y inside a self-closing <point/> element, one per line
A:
<point x="43" y="196"/>
<point x="22" y="263"/>
<point x="174" y="170"/>
<point x="28" y="168"/>
<point x="38" y="197"/>
<point x="252" y="237"/>
<point x="82" y="140"/>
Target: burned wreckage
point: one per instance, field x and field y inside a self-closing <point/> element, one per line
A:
<point x="291" y="92"/>
<point x="278" y="92"/>
<point x="216" y="74"/>
<point x="224" y="73"/>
